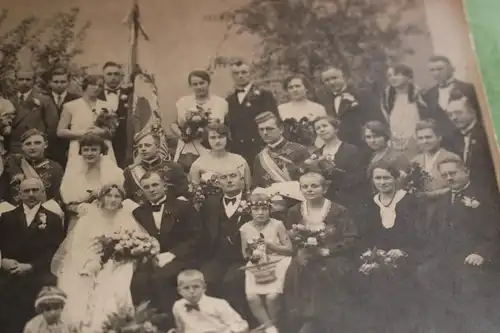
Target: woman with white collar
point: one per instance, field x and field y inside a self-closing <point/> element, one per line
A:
<point x="389" y="224"/>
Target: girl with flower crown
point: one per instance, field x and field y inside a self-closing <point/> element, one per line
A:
<point x="316" y="284"/>
<point x="265" y="244"/>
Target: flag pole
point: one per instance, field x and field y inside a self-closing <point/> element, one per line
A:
<point x="132" y="71"/>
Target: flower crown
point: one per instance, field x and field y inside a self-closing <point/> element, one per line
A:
<point x="260" y="203"/>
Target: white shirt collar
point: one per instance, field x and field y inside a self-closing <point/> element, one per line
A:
<point x="162" y="201"/>
<point x="63" y="95"/>
<point x="25" y="95"/>
<point x="467" y="130"/>
<point x="274" y="145"/>
<point x="30" y="210"/>
<point x="237" y="197"/>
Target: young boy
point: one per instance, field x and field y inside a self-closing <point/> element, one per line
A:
<point x="49" y="303"/>
<point x="198" y="313"/>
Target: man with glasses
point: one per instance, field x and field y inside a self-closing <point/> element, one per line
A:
<point x="117" y="97"/>
<point x="58" y="84"/>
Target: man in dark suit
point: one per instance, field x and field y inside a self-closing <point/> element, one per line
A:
<point x="438" y="97"/>
<point x="245" y="103"/>
<point x="33" y="110"/>
<point x="117" y="98"/>
<point x="223" y="216"/>
<point x="460" y="265"/>
<point x="58" y="83"/>
<point x="471" y="143"/>
<point x="350" y="107"/>
<point x="148" y="145"/>
<point x="29" y="237"/>
<point x="176" y="226"/>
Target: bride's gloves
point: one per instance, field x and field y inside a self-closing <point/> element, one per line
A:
<point x="165" y="258"/>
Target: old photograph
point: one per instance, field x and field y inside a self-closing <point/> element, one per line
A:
<point x="245" y="166"/>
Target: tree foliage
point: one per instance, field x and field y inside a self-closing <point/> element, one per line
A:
<point x="54" y="42"/>
<point x="362" y="37"/>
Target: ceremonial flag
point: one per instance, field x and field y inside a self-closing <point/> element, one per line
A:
<point x="143" y="107"/>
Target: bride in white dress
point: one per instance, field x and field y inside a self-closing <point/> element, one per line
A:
<point x="95" y="290"/>
<point x="78" y="118"/>
<point x="93" y="169"/>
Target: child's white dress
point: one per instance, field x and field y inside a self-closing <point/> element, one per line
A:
<point x="270" y="233"/>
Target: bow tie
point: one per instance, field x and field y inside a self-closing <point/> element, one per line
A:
<point x="111" y="91"/>
<point x="446" y="85"/>
<point x="190" y="307"/>
<point x="157" y="207"/>
<point x="228" y="201"/>
<point x="239" y="90"/>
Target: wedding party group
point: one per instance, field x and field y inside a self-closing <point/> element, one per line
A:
<point x="350" y="212"/>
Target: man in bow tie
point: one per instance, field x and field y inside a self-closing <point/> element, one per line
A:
<point x="224" y="214"/>
<point x="177" y="227"/>
<point x="350" y="107"/>
<point x="117" y="97"/>
<point x="470" y="142"/>
<point x="33" y="110"/>
<point x="58" y="84"/>
<point x="244" y="104"/>
<point x="32" y="163"/>
<point x="29" y="237"/>
<point x="148" y="145"/>
<point x="439" y="96"/>
<point x="459" y="270"/>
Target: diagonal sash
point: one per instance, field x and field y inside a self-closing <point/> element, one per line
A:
<point x="137" y="174"/>
<point x="277" y="174"/>
<point x="28" y="170"/>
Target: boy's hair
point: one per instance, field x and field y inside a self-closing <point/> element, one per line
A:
<point x="190" y="274"/>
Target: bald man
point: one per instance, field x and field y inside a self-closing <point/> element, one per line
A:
<point x="29" y="236"/>
<point x="33" y="110"/>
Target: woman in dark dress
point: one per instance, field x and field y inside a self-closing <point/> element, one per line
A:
<point x="349" y="172"/>
<point x="316" y="285"/>
<point x="389" y="225"/>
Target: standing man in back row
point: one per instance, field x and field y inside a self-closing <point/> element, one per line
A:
<point x="245" y="103"/>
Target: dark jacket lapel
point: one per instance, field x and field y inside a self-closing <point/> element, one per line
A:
<point x="144" y="215"/>
<point x="169" y="216"/>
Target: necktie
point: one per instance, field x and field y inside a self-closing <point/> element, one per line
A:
<point x="230" y="201"/>
<point x="59" y="100"/>
<point x="21" y="98"/>
<point x="190" y="307"/>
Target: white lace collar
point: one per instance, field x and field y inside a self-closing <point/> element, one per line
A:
<point x="316" y="220"/>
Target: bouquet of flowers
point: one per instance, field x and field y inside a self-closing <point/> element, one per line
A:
<point x="260" y="265"/>
<point x="257" y="250"/>
<point x="376" y="259"/>
<point x="416" y="179"/>
<point x="204" y="189"/>
<point x="107" y="119"/>
<point x="307" y="238"/>
<point x="196" y="121"/>
<point x="142" y="320"/>
<point x="322" y="162"/>
<point x="300" y="131"/>
<point x="127" y="245"/>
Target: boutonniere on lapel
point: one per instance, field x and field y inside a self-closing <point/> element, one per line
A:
<point x="243" y="208"/>
<point x="36" y="102"/>
<point x="254" y="93"/>
<point x="349" y="98"/>
<point x="470" y="202"/>
<point x="42" y="219"/>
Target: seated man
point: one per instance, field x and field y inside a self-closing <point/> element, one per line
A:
<point x="460" y="256"/>
<point x="176" y="226"/>
<point x="223" y="215"/>
<point x="274" y="165"/>
<point x="150" y="161"/>
<point x="32" y="163"/>
<point x="29" y="236"/>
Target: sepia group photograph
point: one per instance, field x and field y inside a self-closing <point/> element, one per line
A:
<point x="245" y="166"/>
